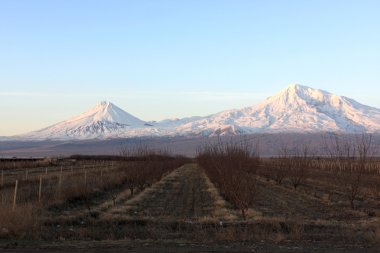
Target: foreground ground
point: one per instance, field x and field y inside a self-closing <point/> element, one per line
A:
<point x="184" y="212"/>
<point x="140" y="246"/>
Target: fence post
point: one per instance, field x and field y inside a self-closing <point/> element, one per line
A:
<point x="60" y="184"/>
<point x="40" y="190"/>
<point x="46" y="171"/>
<point x="101" y="177"/>
<point x="85" y="178"/>
<point x="15" y="195"/>
<point x="2" y="186"/>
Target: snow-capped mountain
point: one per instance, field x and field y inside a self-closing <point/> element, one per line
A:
<point x="294" y="109"/>
<point x="105" y="120"/>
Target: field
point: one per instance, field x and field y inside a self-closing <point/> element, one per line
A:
<point x="225" y="200"/>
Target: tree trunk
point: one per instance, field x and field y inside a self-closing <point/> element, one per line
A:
<point x="243" y="214"/>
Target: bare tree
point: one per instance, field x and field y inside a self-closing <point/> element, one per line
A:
<point x="299" y="164"/>
<point x="351" y="155"/>
<point x="283" y="165"/>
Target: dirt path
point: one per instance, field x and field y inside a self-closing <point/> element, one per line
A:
<point x="186" y="193"/>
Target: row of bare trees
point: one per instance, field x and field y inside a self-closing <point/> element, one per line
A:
<point x="347" y="162"/>
<point x="143" y="166"/>
<point x="142" y="174"/>
<point x="232" y="167"/>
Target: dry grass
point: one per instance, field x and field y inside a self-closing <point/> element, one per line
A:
<point x="368" y="234"/>
<point x="372" y="235"/>
<point x="23" y="222"/>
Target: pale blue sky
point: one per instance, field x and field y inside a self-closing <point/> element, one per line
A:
<point x="162" y="59"/>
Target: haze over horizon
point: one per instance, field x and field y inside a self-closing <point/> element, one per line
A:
<point x="168" y="59"/>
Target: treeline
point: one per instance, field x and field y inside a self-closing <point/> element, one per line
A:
<point x="8" y="164"/>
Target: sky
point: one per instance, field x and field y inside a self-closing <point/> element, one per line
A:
<point x="166" y="59"/>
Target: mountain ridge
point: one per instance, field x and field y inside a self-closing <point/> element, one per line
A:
<point x="296" y="108"/>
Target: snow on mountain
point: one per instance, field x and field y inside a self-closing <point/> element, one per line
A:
<point x="102" y="121"/>
<point x="177" y="121"/>
<point x="296" y="108"/>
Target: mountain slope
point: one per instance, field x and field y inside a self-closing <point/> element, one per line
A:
<point x="102" y="121"/>
<point x="294" y="109"/>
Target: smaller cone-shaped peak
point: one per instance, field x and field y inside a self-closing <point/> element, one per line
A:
<point x="106" y="111"/>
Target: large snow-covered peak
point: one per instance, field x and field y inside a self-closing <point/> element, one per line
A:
<point x="301" y="108"/>
<point x="296" y="108"/>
